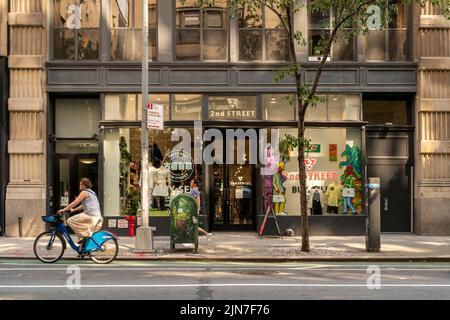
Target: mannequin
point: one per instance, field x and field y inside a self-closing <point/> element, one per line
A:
<point x="161" y="186"/>
<point x="333" y="194"/>
<point x="279" y="189"/>
<point x="316" y="201"/>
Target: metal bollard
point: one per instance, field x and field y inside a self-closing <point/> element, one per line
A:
<point x="373" y="216"/>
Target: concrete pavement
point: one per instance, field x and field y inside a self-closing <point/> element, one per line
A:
<point x="237" y="246"/>
<point x="238" y="281"/>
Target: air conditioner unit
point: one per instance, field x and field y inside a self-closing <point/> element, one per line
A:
<point x="317" y="59"/>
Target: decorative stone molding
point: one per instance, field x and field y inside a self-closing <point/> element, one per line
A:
<point x="26" y="19"/>
<point x="25" y="146"/>
<point x="26" y="62"/>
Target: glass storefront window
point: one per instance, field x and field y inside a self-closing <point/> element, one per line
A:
<point x="126" y="30"/>
<point x="202" y="33"/>
<point x="278" y="108"/>
<point x="232" y="108"/>
<point x="335" y="108"/>
<point x="334" y="184"/>
<point x="187" y="107"/>
<point x="383" y="112"/>
<point x="76" y="118"/>
<point x="344" y="107"/>
<point x="158" y="99"/>
<point x="317" y="112"/>
<point x="123" y="167"/>
<point x="120" y="107"/>
<point x="76" y="29"/>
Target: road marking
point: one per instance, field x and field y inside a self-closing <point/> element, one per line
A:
<point x="210" y="269"/>
<point x="95" y="286"/>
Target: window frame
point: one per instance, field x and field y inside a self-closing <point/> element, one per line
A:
<point x="201" y="29"/>
<point x="75" y="42"/>
<point x="386" y="29"/>
<point x="330" y="58"/>
<point x="263" y="29"/>
<point x="133" y="28"/>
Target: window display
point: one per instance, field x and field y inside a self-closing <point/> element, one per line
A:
<point x="334" y="179"/>
<point x="122" y="172"/>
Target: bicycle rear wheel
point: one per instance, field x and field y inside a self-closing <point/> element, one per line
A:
<point x="107" y="253"/>
<point x="49" y="247"/>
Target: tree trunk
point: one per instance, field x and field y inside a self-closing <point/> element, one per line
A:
<point x="302" y="177"/>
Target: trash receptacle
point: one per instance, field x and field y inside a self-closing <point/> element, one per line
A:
<point x="183" y="221"/>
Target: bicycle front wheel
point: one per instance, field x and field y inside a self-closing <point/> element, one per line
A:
<point x="107" y="253"/>
<point x="49" y="247"/>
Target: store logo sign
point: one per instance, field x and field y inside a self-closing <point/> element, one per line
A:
<point x="180" y="165"/>
<point x="310" y="163"/>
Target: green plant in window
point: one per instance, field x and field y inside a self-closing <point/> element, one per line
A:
<point x="125" y="160"/>
<point x="133" y="199"/>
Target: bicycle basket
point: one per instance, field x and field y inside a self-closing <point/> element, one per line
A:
<point x="50" y="219"/>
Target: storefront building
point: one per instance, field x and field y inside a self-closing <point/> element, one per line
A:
<point x="3" y="111"/>
<point x="214" y="76"/>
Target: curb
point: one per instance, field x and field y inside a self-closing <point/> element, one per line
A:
<point x="262" y="259"/>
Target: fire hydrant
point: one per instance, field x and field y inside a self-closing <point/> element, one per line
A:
<point x="131" y="224"/>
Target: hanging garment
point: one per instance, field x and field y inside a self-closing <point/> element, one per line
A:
<point x="333" y="194"/>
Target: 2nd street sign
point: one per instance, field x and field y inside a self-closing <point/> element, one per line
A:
<point x="155" y="118"/>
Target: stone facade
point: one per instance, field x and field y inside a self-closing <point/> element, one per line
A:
<point x="28" y="51"/>
<point x="432" y="117"/>
<point x="28" y="45"/>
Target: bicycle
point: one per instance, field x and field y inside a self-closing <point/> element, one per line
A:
<point x="101" y="247"/>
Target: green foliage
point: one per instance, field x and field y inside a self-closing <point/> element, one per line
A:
<point x="289" y="142"/>
<point x="133" y="201"/>
<point x="125" y="159"/>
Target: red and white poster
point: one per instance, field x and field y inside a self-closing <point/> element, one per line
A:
<point x="155" y="118"/>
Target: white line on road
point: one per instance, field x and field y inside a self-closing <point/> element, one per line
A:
<point x="98" y="286"/>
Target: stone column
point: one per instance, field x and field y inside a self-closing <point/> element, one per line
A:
<point x="26" y="190"/>
<point x="432" y="174"/>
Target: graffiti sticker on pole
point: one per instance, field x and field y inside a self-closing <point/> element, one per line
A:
<point x="155" y="119"/>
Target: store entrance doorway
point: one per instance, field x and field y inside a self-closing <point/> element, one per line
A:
<point x="69" y="169"/>
<point x="232" y="190"/>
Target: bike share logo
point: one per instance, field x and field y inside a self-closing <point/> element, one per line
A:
<point x="180" y="164"/>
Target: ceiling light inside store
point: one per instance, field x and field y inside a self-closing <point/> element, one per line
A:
<point x="87" y="161"/>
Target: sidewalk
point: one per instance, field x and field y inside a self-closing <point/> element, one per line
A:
<point x="234" y="246"/>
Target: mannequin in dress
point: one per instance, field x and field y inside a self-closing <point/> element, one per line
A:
<point x="161" y="186"/>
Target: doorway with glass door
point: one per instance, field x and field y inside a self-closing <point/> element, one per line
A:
<point x="233" y="194"/>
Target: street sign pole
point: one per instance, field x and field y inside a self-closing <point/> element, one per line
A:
<point x="144" y="236"/>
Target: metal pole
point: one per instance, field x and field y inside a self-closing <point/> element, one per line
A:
<point x="144" y="237"/>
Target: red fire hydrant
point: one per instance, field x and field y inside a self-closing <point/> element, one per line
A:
<point x="131" y="224"/>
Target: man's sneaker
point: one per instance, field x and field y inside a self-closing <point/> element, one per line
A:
<point x="209" y="236"/>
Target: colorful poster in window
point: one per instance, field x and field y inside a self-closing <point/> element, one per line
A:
<point x="315" y="148"/>
<point x="332" y="152"/>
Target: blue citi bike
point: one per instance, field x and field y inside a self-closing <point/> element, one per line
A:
<point x="101" y="247"/>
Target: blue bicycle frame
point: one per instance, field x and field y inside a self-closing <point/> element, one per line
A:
<point x="92" y="243"/>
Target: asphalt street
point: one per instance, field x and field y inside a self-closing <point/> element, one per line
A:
<point x="29" y="279"/>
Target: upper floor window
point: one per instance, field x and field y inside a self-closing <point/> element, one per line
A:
<point x="202" y="33"/>
<point x="126" y="29"/>
<point x="76" y="29"/>
<point x="388" y="42"/>
<point x="320" y="27"/>
<point x="262" y="36"/>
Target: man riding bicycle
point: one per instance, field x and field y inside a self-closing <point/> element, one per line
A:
<point x="90" y="219"/>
